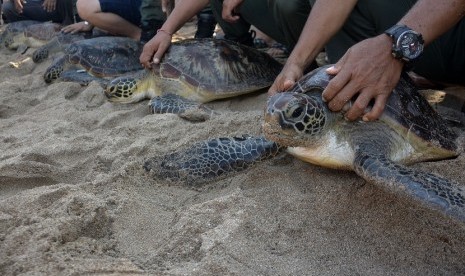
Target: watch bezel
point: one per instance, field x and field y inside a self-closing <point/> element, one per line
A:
<point x="398" y="34"/>
<point x="402" y="52"/>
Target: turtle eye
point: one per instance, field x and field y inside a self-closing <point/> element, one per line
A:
<point x="295" y="112"/>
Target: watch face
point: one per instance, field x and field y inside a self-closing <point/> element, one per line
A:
<point x="410" y="44"/>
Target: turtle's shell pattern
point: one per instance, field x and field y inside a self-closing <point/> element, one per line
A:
<point x="43" y="31"/>
<point x="405" y="108"/>
<point x="106" y="56"/>
<point x="218" y="66"/>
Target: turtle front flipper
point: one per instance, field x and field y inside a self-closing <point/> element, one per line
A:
<point x="54" y="71"/>
<point x="431" y="190"/>
<point x="186" y="109"/>
<point x="212" y="159"/>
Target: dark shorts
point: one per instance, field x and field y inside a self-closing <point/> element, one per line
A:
<point x="127" y="9"/>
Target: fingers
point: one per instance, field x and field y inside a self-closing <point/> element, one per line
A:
<point x="377" y="109"/>
<point x="335" y="86"/>
<point x="146" y="55"/>
<point x="49" y="5"/>
<point x="230" y="16"/>
<point x="159" y="53"/>
<point x="154" y="50"/>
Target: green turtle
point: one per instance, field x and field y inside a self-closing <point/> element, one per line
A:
<point x="13" y="29"/>
<point x="199" y="70"/>
<point x="57" y="44"/>
<point x="96" y="58"/>
<point x="409" y="131"/>
<point x="33" y="36"/>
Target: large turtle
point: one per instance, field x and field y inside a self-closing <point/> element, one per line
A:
<point x="199" y="70"/>
<point x="100" y="57"/>
<point x="408" y="131"/>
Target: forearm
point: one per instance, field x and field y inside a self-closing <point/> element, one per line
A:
<point x="183" y="11"/>
<point x="324" y="21"/>
<point x="432" y="18"/>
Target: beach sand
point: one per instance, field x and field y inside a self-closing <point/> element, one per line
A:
<point x="75" y="200"/>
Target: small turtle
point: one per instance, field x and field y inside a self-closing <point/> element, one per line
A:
<point x="199" y="70"/>
<point x="409" y="131"/>
<point x="96" y="58"/>
<point x="57" y="44"/>
<point x="13" y="29"/>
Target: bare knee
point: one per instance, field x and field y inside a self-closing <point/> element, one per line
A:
<point x="88" y="8"/>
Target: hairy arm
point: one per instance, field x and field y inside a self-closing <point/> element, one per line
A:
<point x="324" y="21"/>
<point x="357" y="73"/>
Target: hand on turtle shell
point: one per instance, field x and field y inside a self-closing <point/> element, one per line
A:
<point x="286" y="79"/>
<point x="77" y="27"/>
<point x="367" y="69"/>
<point x="154" y="50"/>
<point x="230" y="8"/>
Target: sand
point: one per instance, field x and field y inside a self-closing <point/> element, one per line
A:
<point x="75" y="200"/>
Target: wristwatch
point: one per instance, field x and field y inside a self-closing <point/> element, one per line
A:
<point x="407" y="45"/>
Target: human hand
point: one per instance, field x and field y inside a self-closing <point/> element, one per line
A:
<point x="156" y="48"/>
<point x="77" y="27"/>
<point x="286" y="79"/>
<point x="19" y="5"/>
<point x="49" y="5"/>
<point x="367" y="69"/>
<point x="230" y="8"/>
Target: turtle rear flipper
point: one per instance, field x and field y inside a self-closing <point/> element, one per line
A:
<point x="212" y="159"/>
<point x="186" y="109"/>
<point x="429" y="189"/>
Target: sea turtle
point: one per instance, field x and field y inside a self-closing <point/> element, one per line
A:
<point x="57" y="44"/>
<point x="409" y="131"/>
<point x="13" y="29"/>
<point x="32" y="36"/>
<point x="199" y="70"/>
<point x="96" y="58"/>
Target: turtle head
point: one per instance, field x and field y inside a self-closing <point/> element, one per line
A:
<point x="294" y="119"/>
<point x="126" y="89"/>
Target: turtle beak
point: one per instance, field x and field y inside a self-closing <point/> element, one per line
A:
<point x="274" y="123"/>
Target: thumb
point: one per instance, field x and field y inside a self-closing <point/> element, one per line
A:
<point x="288" y="84"/>
<point x="333" y="70"/>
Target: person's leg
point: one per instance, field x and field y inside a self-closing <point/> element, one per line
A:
<point x="206" y="23"/>
<point x="108" y="16"/>
<point x="64" y="8"/>
<point x="32" y="10"/>
<point x="442" y="60"/>
<point x="152" y="18"/>
<point x="282" y="20"/>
